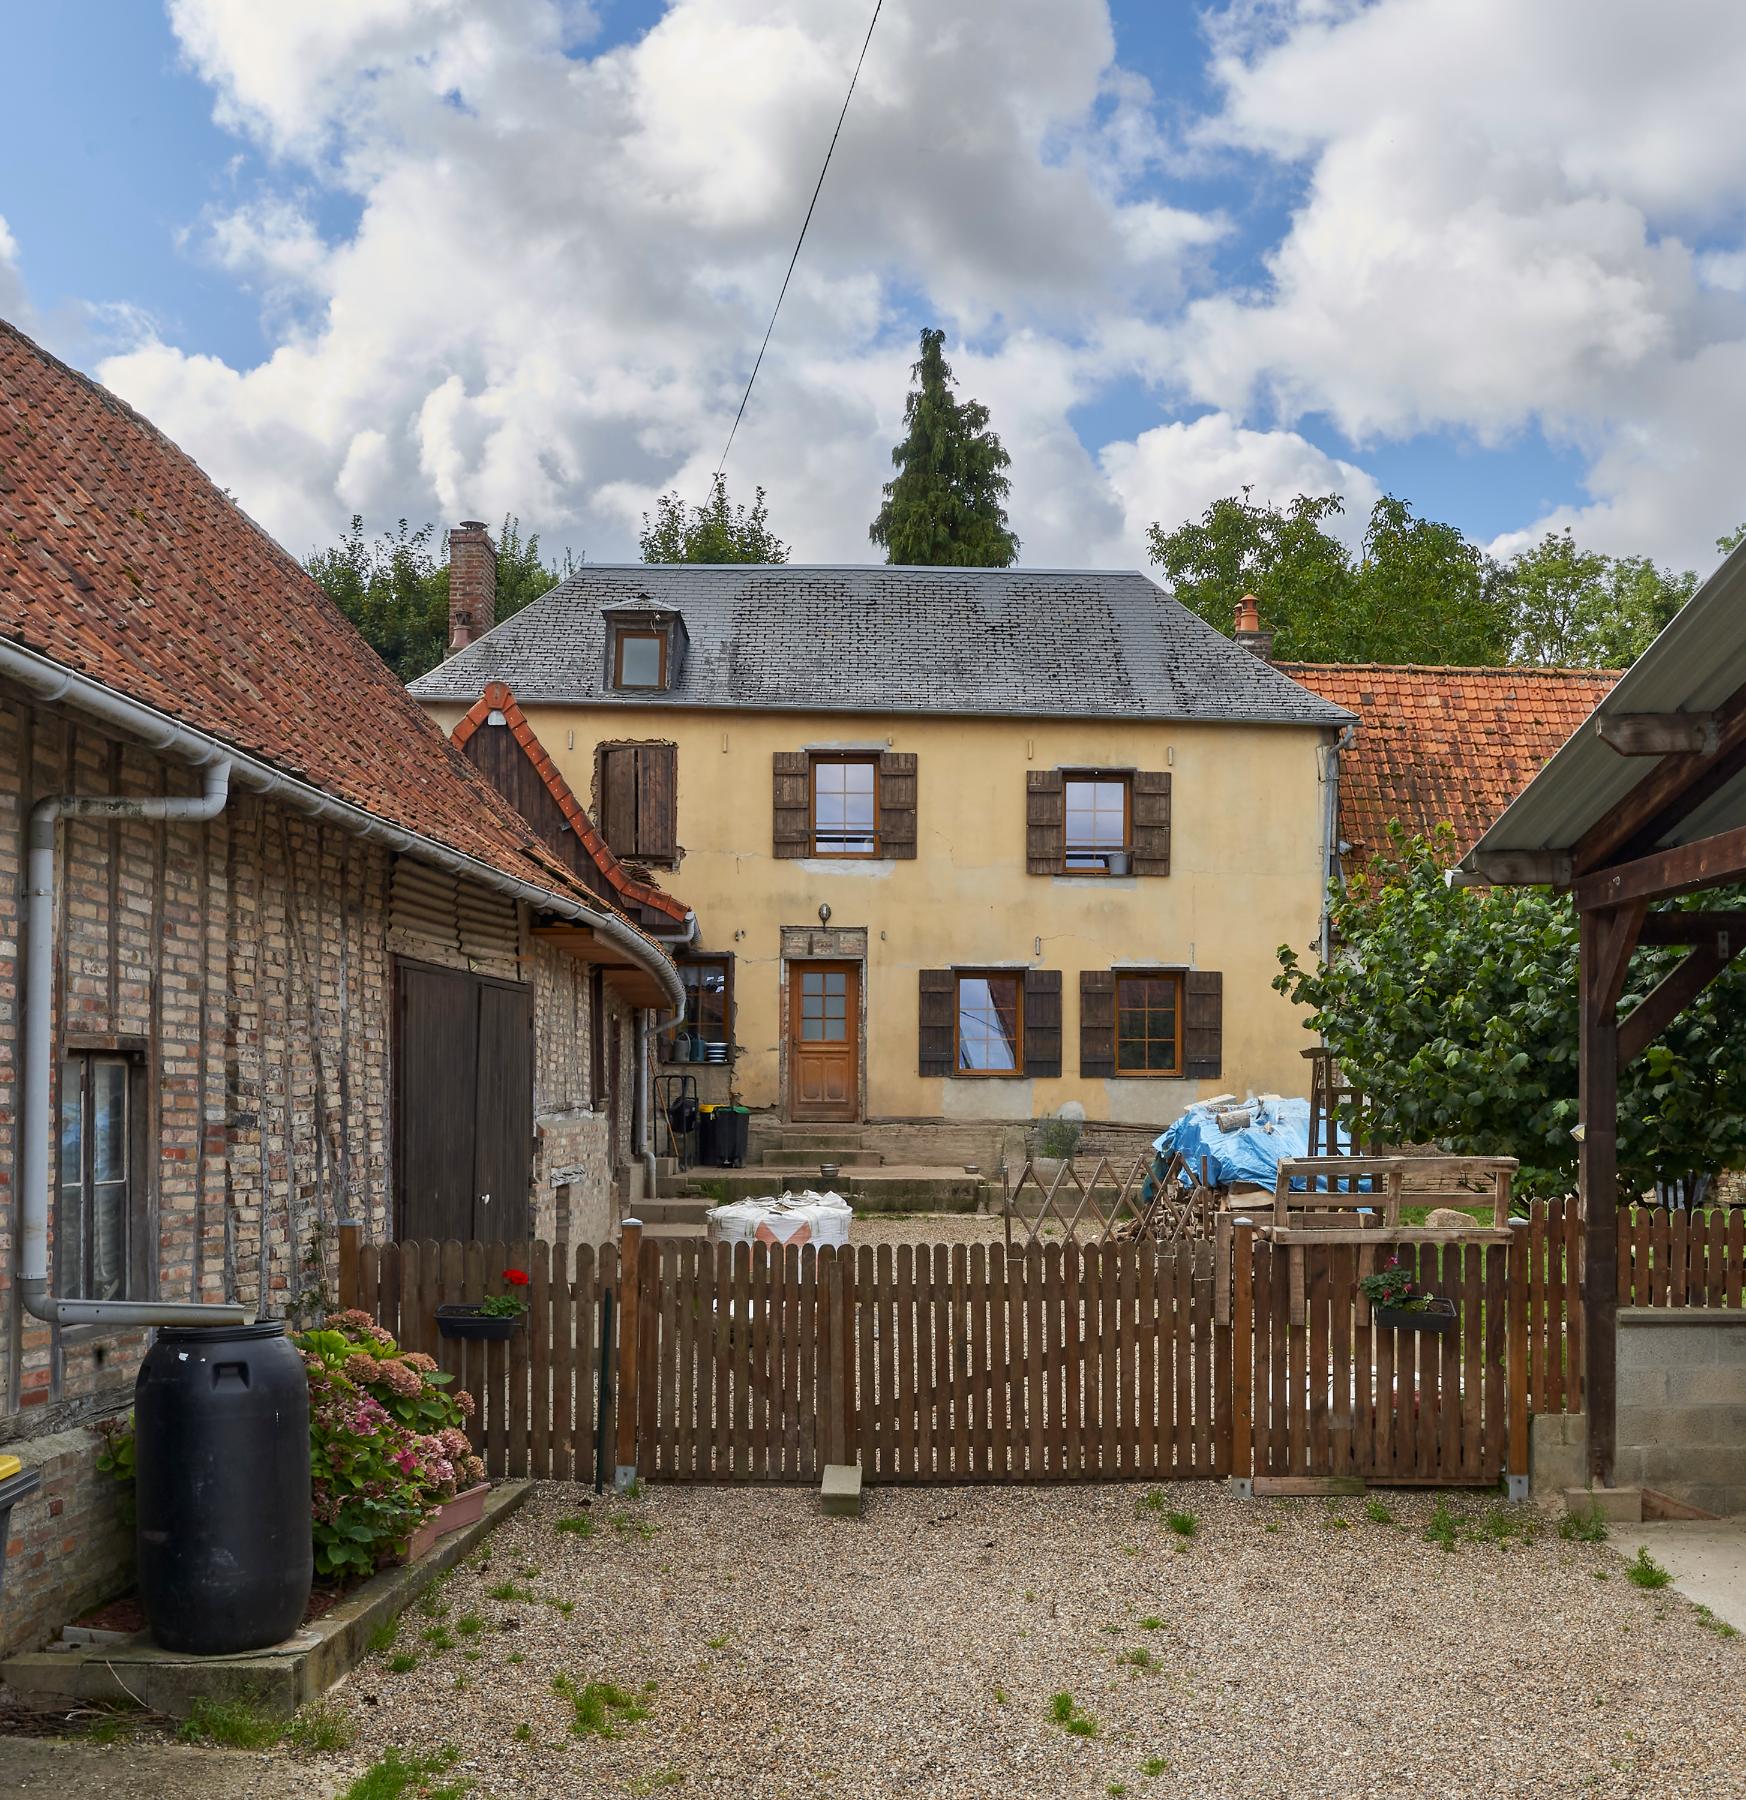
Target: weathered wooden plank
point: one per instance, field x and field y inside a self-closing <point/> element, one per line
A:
<point x="960" y="1360"/>
<point x="1034" y="1408"/>
<point x="1146" y="1349"/>
<point x="909" y="1436"/>
<point x="981" y="1388"/>
<point x="539" y="1330"/>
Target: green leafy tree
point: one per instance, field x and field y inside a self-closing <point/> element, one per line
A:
<point x="1457" y="1010"/>
<point x="715" y="532"/>
<point x="1575" y="608"/>
<point x="1420" y="592"/>
<point x="946" y="505"/>
<point x="396" y="592"/>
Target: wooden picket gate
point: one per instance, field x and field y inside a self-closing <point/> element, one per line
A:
<point x="1320" y="1390"/>
<point x="925" y="1363"/>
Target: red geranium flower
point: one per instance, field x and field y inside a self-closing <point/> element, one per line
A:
<point x="517" y="1277"/>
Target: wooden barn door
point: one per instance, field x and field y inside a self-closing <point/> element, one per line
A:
<point x="463" y="1059"/>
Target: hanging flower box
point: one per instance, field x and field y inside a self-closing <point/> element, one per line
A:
<point x="490" y="1320"/>
<point x="1434" y="1315"/>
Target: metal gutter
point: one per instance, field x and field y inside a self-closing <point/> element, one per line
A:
<point x="54" y="683"/>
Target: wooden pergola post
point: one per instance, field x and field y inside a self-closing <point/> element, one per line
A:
<point x="1598" y="1176"/>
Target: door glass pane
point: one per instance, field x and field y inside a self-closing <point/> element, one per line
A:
<point x="108" y="1240"/>
<point x="72" y="1116"/>
<point x="824" y="1006"/>
<point x="988" y="1014"/>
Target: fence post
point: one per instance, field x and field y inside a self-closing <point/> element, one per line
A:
<point x="1242" y="1327"/>
<point x="350" y="1239"/>
<point x="1517" y="1275"/>
<point x="630" y="1240"/>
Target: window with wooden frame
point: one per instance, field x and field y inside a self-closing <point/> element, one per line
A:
<point x="990" y="1032"/>
<point x="706" y="1033"/>
<point x="1098" y="808"/>
<point x="845" y="806"/>
<point x="1148" y="1011"/>
<point x="99" y="1224"/>
<point x="639" y="658"/>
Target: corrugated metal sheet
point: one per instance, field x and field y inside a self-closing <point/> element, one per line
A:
<point x="1695" y="664"/>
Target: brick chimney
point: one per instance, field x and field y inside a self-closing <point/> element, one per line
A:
<point x="1248" y="631"/>
<point x="472" y="584"/>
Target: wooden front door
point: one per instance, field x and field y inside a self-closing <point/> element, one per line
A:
<point x="824" y="1041"/>
<point x="463" y="1057"/>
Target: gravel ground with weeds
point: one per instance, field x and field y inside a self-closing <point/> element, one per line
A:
<point x="927" y="1228"/>
<point x="747" y="1646"/>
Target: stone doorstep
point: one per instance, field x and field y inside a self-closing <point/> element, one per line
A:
<point x="279" y="1679"/>
<point x="840" y="1491"/>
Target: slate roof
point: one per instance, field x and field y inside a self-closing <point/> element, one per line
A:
<point x="1445" y="745"/>
<point x="121" y="560"/>
<point x="877" y="639"/>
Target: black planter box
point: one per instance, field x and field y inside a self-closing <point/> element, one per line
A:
<point x="462" y="1319"/>
<point x="1436" y="1315"/>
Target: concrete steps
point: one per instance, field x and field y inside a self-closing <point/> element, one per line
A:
<point x="787" y="1158"/>
<point x="814" y="1139"/>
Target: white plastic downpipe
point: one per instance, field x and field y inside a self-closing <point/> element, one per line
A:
<point x="38" y="1054"/>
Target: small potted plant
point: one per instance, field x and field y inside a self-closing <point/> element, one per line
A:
<point x="491" y="1319"/>
<point x="1396" y="1301"/>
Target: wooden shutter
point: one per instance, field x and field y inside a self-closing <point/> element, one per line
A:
<point x="1043" y="1022"/>
<point x="897" y="804"/>
<point x="618" y="797"/>
<point x="1151" y="803"/>
<point x="1097" y="1022"/>
<point x="938" y="997"/>
<point x="1203" y="1024"/>
<point x="1045" y="821"/>
<point x="793" y="803"/>
<point x="657" y="802"/>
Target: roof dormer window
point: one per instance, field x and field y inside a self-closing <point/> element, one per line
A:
<point x="639" y="659"/>
<point x="645" y="647"/>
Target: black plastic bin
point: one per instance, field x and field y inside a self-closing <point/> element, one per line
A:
<point x="722" y="1137"/>
<point x="221" y="1488"/>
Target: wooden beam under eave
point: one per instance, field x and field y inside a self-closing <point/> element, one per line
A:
<point x="1673" y="993"/>
<point x="1693" y="926"/>
<point x="1706" y="862"/>
<point x="1659" y="734"/>
<point x="636" y="986"/>
<point x="1668" y="793"/>
<point x="580" y="942"/>
<point x="1524" y="868"/>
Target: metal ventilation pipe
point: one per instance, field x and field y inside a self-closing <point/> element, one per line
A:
<point x="37" y="1123"/>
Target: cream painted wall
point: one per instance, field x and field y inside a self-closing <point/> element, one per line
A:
<point x="1246" y="861"/>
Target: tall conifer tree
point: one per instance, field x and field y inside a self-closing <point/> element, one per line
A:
<point x="945" y="505"/>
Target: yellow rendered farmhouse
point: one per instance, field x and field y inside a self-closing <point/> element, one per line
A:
<point x="959" y="844"/>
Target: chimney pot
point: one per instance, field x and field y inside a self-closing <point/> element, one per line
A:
<point x="1248" y="630"/>
<point x="472" y="584"/>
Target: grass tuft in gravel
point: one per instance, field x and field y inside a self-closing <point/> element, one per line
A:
<point x="573" y="1525"/>
<point x="1151" y="1623"/>
<point x="1154" y="1765"/>
<point x="1443" y="1525"/>
<point x="1645" y="1572"/>
<point x="235" y="1724"/>
<point x="508" y="1591"/>
<point x="396" y="1777"/>
<point x="1710" y="1622"/>
<point x="1066" y="1713"/>
<point x="1377" y="1513"/>
<point x="320" y="1726"/>
<point x="1583" y="1527"/>
<point x="1141" y="1659"/>
<point x="601" y="1707"/>
<point x="382" y="1638"/>
<point x="470" y="1624"/>
<point x="658" y="1782"/>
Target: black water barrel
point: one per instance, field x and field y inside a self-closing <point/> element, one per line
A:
<point x="221" y="1483"/>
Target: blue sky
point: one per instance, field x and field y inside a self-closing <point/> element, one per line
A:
<point x="1246" y="250"/>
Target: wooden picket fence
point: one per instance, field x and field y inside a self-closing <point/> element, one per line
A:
<point x="1322" y="1390"/>
<point x="1058" y="1362"/>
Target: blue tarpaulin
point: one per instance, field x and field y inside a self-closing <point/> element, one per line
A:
<point x="1251" y="1154"/>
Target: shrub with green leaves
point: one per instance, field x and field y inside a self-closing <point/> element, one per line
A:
<point x="1455" y="1008"/>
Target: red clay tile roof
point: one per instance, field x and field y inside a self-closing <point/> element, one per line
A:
<point x="121" y="560"/>
<point x="1450" y="746"/>
<point x="498" y="698"/>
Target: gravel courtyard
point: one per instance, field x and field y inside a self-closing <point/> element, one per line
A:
<point x="1289" y="1648"/>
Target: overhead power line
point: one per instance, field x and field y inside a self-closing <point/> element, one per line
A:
<point x="823" y="172"/>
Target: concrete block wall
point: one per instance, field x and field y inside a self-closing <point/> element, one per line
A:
<point x="1682" y="1404"/>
